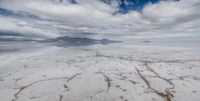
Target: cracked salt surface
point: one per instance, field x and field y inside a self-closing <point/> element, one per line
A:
<point x="152" y="70"/>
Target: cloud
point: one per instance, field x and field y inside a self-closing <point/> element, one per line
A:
<point x="93" y="16"/>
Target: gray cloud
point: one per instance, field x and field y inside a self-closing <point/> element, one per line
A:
<point x="92" y="16"/>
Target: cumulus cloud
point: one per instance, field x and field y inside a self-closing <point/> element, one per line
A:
<point x="94" y="16"/>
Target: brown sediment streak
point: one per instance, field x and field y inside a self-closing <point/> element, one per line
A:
<point x="97" y="93"/>
<point x="61" y="97"/>
<point x="107" y="79"/>
<point x="157" y="75"/>
<point x="73" y="77"/>
<point x="21" y="89"/>
<point x="118" y="86"/>
<point x="10" y="74"/>
<point x="166" y="95"/>
<point x="35" y="97"/>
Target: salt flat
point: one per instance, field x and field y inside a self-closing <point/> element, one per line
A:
<point x="138" y="70"/>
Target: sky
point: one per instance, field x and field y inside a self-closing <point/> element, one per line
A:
<point x="52" y="18"/>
